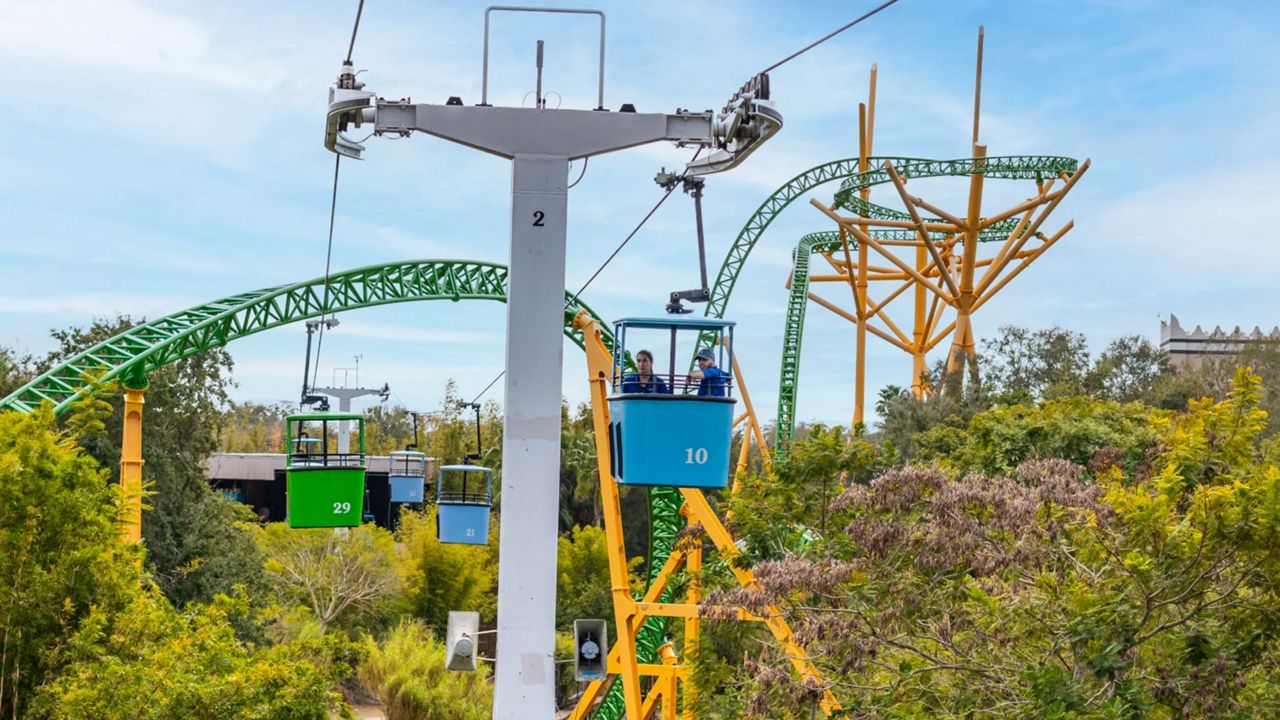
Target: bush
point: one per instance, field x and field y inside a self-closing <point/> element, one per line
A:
<point x="439" y="577"/>
<point x="60" y="556"/>
<point x="406" y="673"/>
<point x="153" y="662"/>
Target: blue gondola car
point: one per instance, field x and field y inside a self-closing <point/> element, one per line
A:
<point x="407" y="476"/>
<point x="463" y="495"/>
<point x="675" y="430"/>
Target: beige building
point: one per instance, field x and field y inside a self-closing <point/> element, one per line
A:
<point x="1191" y="349"/>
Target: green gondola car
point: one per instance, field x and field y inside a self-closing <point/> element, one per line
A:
<point x="325" y="474"/>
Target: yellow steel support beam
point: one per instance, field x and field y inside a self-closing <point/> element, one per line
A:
<point x="773" y="619"/>
<point x="942" y="275"/>
<point x="692" y="626"/>
<point x="753" y="428"/>
<point x="598" y="367"/>
<point x="630" y="614"/>
<point x="131" y="466"/>
<point x="962" y="344"/>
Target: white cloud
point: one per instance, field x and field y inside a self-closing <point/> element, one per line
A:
<point x="407" y="333"/>
<point x="94" y="304"/>
<point x="123" y="39"/>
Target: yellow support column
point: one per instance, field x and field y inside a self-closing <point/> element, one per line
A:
<point x="135" y="387"/>
<point x="693" y="625"/>
<point x="669" y="683"/>
<point x="920" y="333"/>
<point x="599" y="364"/>
<point x="866" y="130"/>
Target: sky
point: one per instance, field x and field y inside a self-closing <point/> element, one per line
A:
<point x="160" y="155"/>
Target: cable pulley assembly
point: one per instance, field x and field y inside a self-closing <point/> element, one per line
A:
<point x="692" y="186"/>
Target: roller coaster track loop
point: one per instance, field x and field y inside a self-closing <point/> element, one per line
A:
<point x="1031" y="167"/>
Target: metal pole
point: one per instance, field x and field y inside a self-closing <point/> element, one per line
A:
<point x="484" y="77"/>
<point x="702" y="245"/>
<point x="306" y="365"/>
<point x="525" y="674"/>
<point x="537" y="94"/>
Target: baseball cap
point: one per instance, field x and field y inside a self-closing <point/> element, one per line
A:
<point x="707" y="353"/>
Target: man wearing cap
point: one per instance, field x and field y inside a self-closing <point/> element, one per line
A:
<point x="712" y="380"/>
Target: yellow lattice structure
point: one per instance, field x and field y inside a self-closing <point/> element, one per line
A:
<point x="671" y="675"/>
<point x="939" y="269"/>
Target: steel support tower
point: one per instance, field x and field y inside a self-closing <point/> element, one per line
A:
<point x="540" y="142"/>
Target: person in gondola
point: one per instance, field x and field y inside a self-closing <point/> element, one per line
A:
<point x="643" y="381"/>
<point x="712" y="381"/>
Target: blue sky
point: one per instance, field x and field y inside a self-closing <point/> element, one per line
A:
<point x="161" y="155"/>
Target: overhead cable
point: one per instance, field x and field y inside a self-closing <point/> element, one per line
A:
<point x="333" y="208"/>
<point x="825" y="38"/>
<point x="607" y="260"/>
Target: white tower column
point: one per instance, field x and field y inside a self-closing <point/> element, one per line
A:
<point x="525" y="673"/>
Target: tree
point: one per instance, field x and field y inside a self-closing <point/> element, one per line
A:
<point x="196" y="544"/>
<point x="150" y="661"/>
<point x="579" y="470"/>
<point x="59" y="552"/>
<point x="1078" y="429"/>
<point x="786" y="512"/>
<point x="333" y="573"/>
<point x="1030" y="365"/>
<point x="15" y="371"/>
<point x="387" y="429"/>
<point x="1129" y="370"/>
<point x="583" y="587"/>
<point x="439" y="577"/>
<point x="253" y="428"/>
<point x="1047" y="592"/>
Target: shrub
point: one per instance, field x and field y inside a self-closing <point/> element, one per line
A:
<point x="406" y="673"/>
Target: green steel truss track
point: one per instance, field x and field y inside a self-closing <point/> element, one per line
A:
<point x="1030" y="167"/>
<point x="182" y="334"/>
<point x="173" y="337"/>
<point x="1036" y="168"/>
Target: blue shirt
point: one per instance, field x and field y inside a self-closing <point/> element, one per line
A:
<point x="655" y="385"/>
<point x="714" y="381"/>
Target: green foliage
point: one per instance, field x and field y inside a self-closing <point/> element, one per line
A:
<point x="348" y="574"/>
<point x="903" y="418"/>
<point x="406" y="673"/>
<point x="15" y="371"/>
<point x="1078" y="429"/>
<point x="149" y="661"/>
<point x="1030" y="365"/>
<point x="439" y="577"/>
<point x="1045" y="591"/>
<point x="253" y="428"/>
<point x="59" y="553"/>
<point x="196" y="544"/>
<point x="579" y="470"/>
<point x="87" y="419"/>
<point x="782" y="514"/>
<point x="388" y="428"/>
<point x="582" y="577"/>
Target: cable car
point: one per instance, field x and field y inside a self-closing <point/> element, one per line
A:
<point x="672" y="429"/>
<point x="408" y="475"/>
<point x="463" y="495"/>
<point x="324" y="488"/>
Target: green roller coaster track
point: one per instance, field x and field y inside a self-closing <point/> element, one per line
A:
<point x="133" y="353"/>
<point x="1033" y="167"/>
<point x="173" y="337"/>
